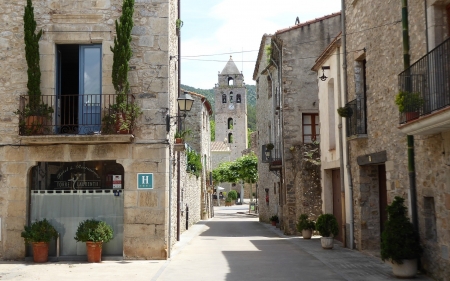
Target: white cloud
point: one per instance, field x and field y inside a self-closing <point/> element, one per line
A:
<point x="240" y="26"/>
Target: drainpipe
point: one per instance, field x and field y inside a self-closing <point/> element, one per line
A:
<point x="347" y="150"/>
<point x="410" y="138"/>
<point x="426" y="23"/>
<point x="179" y="128"/>
<point x="341" y="150"/>
<point x="169" y="248"/>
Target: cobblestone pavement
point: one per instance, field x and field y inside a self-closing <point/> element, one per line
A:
<point x="232" y="246"/>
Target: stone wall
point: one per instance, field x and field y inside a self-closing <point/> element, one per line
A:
<point x="145" y="214"/>
<point x="301" y="46"/>
<point x="384" y="61"/>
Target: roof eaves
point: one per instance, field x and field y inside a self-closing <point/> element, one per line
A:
<point x="307" y="23"/>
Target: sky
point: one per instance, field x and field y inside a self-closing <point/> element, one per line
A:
<point x="213" y="27"/>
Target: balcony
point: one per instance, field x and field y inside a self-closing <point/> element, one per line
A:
<point x="274" y="158"/>
<point x="357" y="124"/>
<point x="429" y="77"/>
<point x="73" y="119"/>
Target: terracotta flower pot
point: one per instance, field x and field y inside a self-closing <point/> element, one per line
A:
<point x="412" y="115"/>
<point x="40" y="252"/>
<point x="274" y="223"/>
<point x="35" y="124"/>
<point x="120" y="118"/>
<point x="94" y="251"/>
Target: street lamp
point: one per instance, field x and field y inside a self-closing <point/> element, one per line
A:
<point x="185" y="102"/>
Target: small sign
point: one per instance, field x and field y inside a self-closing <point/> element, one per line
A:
<point x="117" y="181"/>
<point x="144" y="181"/>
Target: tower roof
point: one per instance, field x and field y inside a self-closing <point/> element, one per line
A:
<point x="230" y="68"/>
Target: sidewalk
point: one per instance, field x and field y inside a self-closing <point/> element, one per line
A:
<point x="348" y="264"/>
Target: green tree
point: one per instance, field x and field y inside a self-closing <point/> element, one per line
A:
<point x="122" y="51"/>
<point x="251" y="117"/>
<point x="32" y="56"/>
<point x="212" y="125"/>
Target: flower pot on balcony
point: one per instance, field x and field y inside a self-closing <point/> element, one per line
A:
<point x="34" y="125"/>
<point x="412" y="115"/>
<point x="121" y="124"/>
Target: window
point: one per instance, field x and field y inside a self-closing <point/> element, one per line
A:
<point x="224" y="98"/>
<point x="230" y="81"/>
<point x="269" y="86"/>
<point x="230" y="123"/>
<point x="231" y="97"/>
<point x="238" y="98"/>
<point x="311" y="128"/>
<point x="230" y="138"/>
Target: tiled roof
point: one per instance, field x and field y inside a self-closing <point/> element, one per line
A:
<point x="219" y="146"/>
<point x="230" y="68"/>
<point x="307" y="23"/>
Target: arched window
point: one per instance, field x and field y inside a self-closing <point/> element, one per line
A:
<point x="230" y="138"/>
<point x="230" y="81"/>
<point x="224" y="98"/>
<point x="231" y="97"/>
<point x="230" y="123"/>
<point x="238" y="98"/>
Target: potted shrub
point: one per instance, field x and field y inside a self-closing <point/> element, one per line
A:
<point x="305" y="226"/>
<point x="400" y="243"/>
<point x="227" y="202"/>
<point x="328" y="228"/>
<point x="274" y="220"/>
<point x="409" y="103"/>
<point x="180" y="135"/>
<point x="123" y="113"/>
<point x="35" y="114"/>
<point x="232" y="195"/>
<point x="39" y="235"/>
<point x="94" y="233"/>
<point x="345" y="111"/>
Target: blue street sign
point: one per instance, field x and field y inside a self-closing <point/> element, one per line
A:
<point x="144" y="181"/>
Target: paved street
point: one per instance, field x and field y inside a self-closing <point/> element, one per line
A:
<point x="231" y="246"/>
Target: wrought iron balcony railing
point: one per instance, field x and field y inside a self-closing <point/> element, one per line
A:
<point x="75" y="114"/>
<point x="272" y="156"/>
<point x="357" y="123"/>
<point x="429" y="80"/>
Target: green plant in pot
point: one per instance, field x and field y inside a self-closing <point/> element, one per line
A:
<point x="305" y="226"/>
<point x="400" y="243"/>
<point x="274" y="220"/>
<point x="94" y="233"/>
<point x="328" y="228"/>
<point x="345" y="111"/>
<point x="35" y="114"/>
<point x="409" y="103"/>
<point x="181" y="135"/>
<point x="123" y="114"/>
<point x="39" y="234"/>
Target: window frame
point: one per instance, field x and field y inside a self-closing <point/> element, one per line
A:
<point x="313" y="134"/>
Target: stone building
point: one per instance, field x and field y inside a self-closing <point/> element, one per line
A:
<point x="377" y="138"/>
<point x="230" y="96"/>
<point x="333" y="157"/>
<point x="287" y="89"/>
<point x="72" y="169"/>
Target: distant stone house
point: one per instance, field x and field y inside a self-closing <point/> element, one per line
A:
<point x="72" y="169"/>
<point x="377" y="135"/>
<point x="287" y="90"/>
<point x="333" y="144"/>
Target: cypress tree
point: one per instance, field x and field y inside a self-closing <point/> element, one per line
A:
<point x="32" y="56"/>
<point x="122" y="51"/>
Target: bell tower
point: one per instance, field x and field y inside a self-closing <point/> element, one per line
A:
<point x="231" y="109"/>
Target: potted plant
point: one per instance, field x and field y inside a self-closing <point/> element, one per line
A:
<point x="400" y="243"/>
<point x="39" y="235"/>
<point x="274" y="220"/>
<point x="305" y="226"/>
<point x="409" y="103"/>
<point x="232" y="194"/>
<point x="94" y="233"/>
<point x="123" y="113"/>
<point x="328" y="228"/>
<point x="345" y="111"/>
<point x="227" y="202"/>
<point x="35" y="113"/>
<point x="180" y="135"/>
<point x="269" y="146"/>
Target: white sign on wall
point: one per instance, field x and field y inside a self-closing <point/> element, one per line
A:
<point x="117" y="181"/>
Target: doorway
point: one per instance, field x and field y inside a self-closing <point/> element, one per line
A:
<point x="78" y="88"/>
<point x="337" y="207"/>
<point x="382" y="196"/>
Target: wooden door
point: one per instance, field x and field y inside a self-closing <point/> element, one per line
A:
<point x="337" y="207"/>
<point x="383" y="196"/>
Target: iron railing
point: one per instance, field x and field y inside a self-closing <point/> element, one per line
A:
<point x="72" y="114"/>
<point x="426" y="83"/>
<point x="275" y="155"/>
<point x="357" y="122"/>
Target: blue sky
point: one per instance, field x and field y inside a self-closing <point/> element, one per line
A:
<point x="225" y="26"/>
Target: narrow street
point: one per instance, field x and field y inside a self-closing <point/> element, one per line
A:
<point x="231" y="246"/>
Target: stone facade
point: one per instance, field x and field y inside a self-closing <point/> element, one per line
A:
<point x="378" y="51"/>
<point x="293" y="95"/>
<point x="152" y="76"/>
